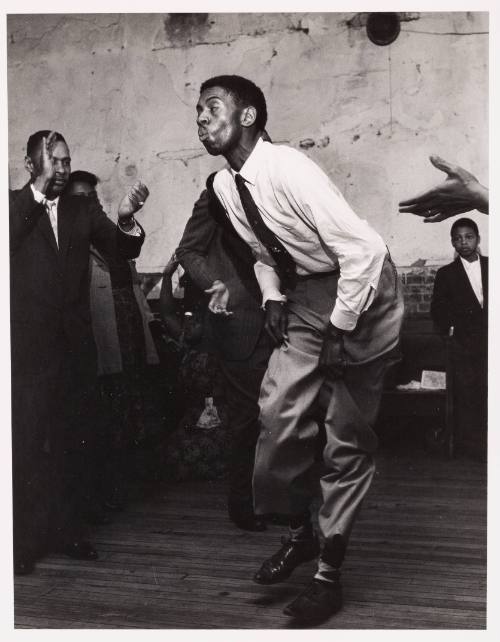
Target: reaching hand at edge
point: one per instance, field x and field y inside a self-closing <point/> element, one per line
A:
<point x="461" y="192"/>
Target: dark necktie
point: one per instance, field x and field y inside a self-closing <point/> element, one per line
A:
<point x="285" y="265"/>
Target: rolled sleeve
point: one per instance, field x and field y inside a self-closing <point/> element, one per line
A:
<point x="357" y="285"/>
<point x="359" y="249"/>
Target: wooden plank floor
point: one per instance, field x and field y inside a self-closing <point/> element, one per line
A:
<point x="417" y="560"/>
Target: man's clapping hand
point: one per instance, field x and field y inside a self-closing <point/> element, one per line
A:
<point x="43" y="167"/>
<point x="132" y="202"/>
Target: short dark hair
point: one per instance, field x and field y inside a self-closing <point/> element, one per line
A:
<point x="245" y="93"/>
<point x="81" y="176"/>
<point x="464" y="222"/>
<point x="35" y="139"/>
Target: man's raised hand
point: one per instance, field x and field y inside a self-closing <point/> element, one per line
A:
<point x="132" y="201"/>
<point x="43" y="167"/>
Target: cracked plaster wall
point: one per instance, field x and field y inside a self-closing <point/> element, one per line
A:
<point x="123" y="87"/>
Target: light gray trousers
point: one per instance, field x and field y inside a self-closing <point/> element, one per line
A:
<point x="286" y="446"/>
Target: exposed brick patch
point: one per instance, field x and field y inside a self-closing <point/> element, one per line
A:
<point x="418" y="283"/>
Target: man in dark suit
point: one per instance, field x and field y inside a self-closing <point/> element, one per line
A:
<point x="212" y="253"/>
<point x="460" y="300"/>
<point x="52" y="349"/>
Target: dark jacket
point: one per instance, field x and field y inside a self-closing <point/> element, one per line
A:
<point x="210" y="249"/>
<point x="49" y="285"/>
<point x="455" y="304"/>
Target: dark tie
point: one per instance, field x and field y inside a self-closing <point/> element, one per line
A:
<point x="285" y="265"/>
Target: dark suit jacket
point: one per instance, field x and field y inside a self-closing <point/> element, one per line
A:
<point x="210" y="250"/>
<point x="455" y="304"/>
<point x="50" y="316"/>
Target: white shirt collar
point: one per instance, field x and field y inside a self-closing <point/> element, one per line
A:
<point x="470" y="265"/>
<point x="54" y="201"/>
<point x="251" y="166"/>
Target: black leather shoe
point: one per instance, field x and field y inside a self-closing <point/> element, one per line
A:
<point x="24" y="566"/>
<point x="81" y="550"/>
<point x="318" y="602"/>
<point x="281" y="565"/>
<point x="246" y="519"/>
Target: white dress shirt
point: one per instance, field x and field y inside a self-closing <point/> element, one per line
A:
<point x="473" y="271"/>
<point x="51" y="207"/>
<point x="309" y="215"/>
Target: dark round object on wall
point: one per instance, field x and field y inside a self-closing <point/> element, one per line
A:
<point x="383" y="28"/>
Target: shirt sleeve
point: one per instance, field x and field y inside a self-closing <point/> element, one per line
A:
<point x="360" y="251"/>
<point x="269" y="283"/>
<point x="135" y="231"/>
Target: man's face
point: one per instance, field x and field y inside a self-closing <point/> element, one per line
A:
<point x="62" y="166"/>
<point x="218" y="119"/>
<point x="465" y="242"/>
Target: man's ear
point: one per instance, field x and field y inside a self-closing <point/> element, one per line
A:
<point x="28" y="165"/>
<point x="248" y="116"/>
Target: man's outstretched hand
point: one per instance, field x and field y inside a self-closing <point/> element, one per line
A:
<point x="461" y="192"/>
<point x="219" y="298"/>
